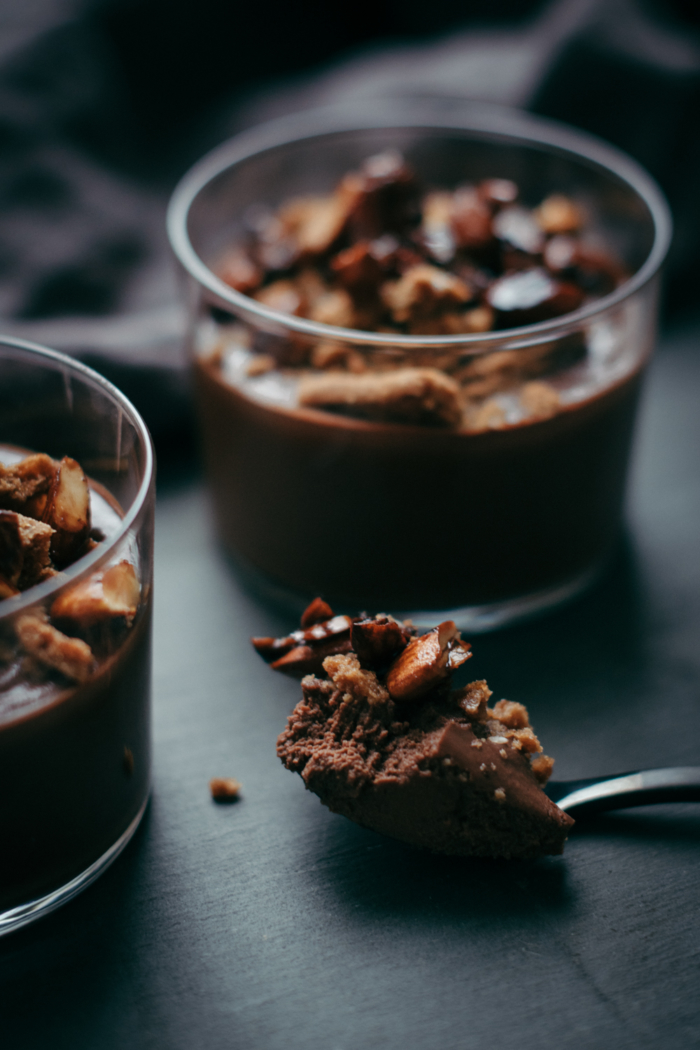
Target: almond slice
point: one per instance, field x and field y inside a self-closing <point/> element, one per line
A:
<point x="24" y="549"/>
<point x="24" y="485"/>
<point x="71" y="656"/>
<point x="423" y="291"/>
<point x="273" y="648"/>
<point x="307" y="659"/>
<point x="67" y="511"/>
<point x="558" y="214"/>
<point x="426" y="662"/>
<point x="103" y="596"/>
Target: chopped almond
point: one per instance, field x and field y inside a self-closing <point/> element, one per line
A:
<point x="346" y="674"/>
<point x="71" y="656"/>
<point x="424" y="290"/>
<point x="490" y="415"/>
<point x="317" y="612"/>
<point x="437" y="209"/>
<point x="473" y="699"/>
<point x="356" y="267"/>
<point x="239" y="271"/>
<point x="24" y="549"/>
<point x="329" y="355"/>
<point x="540" y="400"/>
<point x="311" y="286"/>
<point x="308" y="659"/>
<point x="376" y="641"/>
<point x="283" y="296"/>
<point x="527" y="739"/>
<point x="271" y="649"/>
<point x="67" y="511"/>
<point x="24" y="485"/>
<point x="471" y="219"/>
<point x="316" y="222"/>
<point x="224" y="789"/>
<point x="260" y="365"/>
<point x="426" y="662"/>
<point x="407" y="395"/>
<point x="102" y="596"/>
<point x="511" y="714"/>
<point x="479" y="319"/>
<point x="498" y="191"/>
<point x="303" y="652"/>
<point x="334" y="308"/>
<point x="542" y="766"/>
<point x="558" y="214"/>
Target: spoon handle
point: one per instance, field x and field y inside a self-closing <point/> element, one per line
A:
<point x="624" y="790"/>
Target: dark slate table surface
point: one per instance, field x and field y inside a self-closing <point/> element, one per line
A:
<point x="272" y="924"/>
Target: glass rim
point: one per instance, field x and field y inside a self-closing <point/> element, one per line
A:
<point x="484" y="121"/>
<point x="10" y="607"/>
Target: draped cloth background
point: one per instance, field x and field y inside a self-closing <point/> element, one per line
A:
<point x="105" y="103"/>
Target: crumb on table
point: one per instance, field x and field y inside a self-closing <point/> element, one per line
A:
<point x="224" y="789"/>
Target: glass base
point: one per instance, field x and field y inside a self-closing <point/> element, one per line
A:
<point x="32" y="910"/>
<point x="474" y="619"/>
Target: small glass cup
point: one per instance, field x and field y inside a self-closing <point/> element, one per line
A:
<point x="75" y="751"/>
<point x="484" y="527"/>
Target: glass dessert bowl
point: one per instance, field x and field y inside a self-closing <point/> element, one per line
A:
<point x="493" y="435"/>
<point x="76" y="543"/>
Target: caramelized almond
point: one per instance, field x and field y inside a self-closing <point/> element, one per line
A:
<point x="316" y="612"/>
<point x="273" y="648"/>
<point x="376" y="642"/>
<point x="558" y="214"/>
<point x="307" y="659"/>
<point x="426" y="662"/>
<point x="67" y="511"/>
<point x="103" y="596"/>
<point x="71" y="656"/>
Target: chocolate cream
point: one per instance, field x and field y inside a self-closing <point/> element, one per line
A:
<point x="414" y="517"/>
<point x="74" y="719"/>
<point x="418" y="479"/>
<point x="74" y="770"/>
<point x="439" y="777"/>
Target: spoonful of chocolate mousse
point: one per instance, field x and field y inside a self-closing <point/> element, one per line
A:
<point x="382" y="738"/>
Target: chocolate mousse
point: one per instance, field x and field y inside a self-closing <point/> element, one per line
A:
<point x="74" y="678"/>
<point x="382" y="739"/>
<point x="330" y="460"/>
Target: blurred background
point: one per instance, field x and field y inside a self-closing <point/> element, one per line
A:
<point x="105" y="103"/>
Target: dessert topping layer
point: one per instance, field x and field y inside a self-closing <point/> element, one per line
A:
<point x="384" y="254"/>
<point x="46" y="526"/>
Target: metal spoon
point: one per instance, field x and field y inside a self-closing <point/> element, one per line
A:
<point x="624" y="790"/>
